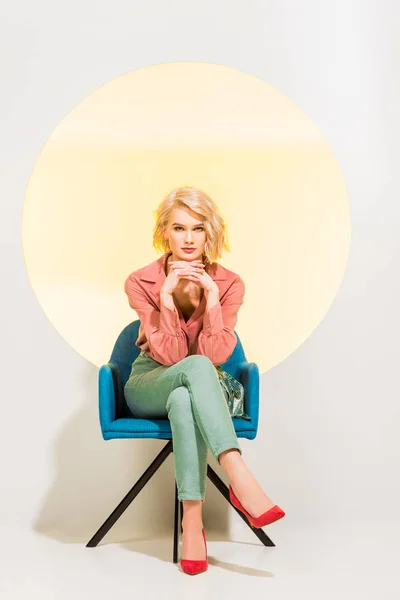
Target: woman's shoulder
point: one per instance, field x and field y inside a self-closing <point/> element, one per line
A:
<point x="219" y="272"/>
<point x="230" y="283"/>
<point x="149" y="271"/>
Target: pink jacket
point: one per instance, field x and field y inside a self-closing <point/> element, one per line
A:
<point x="163" y="332"/>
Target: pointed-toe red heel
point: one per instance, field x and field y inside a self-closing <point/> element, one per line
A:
<point x="193" y="567"/>
<point x="273" y="514"/>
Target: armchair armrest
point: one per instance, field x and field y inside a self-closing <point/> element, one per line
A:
<point x="249" y="377"/>
<point x="108" y="376"/>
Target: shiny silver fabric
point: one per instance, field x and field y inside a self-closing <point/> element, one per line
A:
<point x="234" y="393"/>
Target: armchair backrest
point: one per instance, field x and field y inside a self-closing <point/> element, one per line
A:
<point x="125" y="352"/>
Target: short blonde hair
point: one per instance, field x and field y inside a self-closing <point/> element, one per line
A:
<point x="201" y="203"/>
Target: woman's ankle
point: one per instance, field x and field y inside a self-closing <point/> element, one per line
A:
<point x="228" y="456"/>
<point x="192" y="514"/>
<point x="192" y="524"/>
<point x="233" y="464"/>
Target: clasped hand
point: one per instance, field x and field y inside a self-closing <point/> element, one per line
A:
<point x="193" y="270"/>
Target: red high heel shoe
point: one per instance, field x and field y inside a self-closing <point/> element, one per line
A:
<point x="273" y="514"/>
<point x="193" y="567"/>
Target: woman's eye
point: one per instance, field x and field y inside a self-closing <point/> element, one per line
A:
<point x="177" y="227"/>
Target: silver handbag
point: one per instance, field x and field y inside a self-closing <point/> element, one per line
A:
<point x="234" y="393"/>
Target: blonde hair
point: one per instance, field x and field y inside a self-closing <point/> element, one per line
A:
<point x="201" y="203"/>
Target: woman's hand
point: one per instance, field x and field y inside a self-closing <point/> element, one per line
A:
<point x="181" y="269"/>
<point x="198" y="275"/>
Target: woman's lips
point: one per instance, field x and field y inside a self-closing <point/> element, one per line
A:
<point x="188" y="250"/>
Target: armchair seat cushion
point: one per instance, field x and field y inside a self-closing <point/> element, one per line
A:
<point x="161" y="428"/>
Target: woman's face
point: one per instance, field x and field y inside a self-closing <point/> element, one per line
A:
<point x="185" y="230"/>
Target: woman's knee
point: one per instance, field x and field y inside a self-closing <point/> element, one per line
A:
<point x="178" y="403"/>
<point x="197" y="363"/>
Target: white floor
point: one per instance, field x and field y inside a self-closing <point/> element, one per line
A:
<point x="343" y="562"/>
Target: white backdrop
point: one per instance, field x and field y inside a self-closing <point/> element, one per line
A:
<point x="328" y="443"/>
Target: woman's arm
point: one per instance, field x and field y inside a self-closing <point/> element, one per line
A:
<point x="217" y="339"/>
<point x="167" y="341"/>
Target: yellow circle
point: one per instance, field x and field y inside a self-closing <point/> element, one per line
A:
<point x="88" y="211"/>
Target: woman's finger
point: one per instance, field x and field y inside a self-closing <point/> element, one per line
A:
<point x="191" y="269"/>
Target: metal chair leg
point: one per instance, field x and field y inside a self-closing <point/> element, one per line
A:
<point x="181" y="513"/>
<point x="178" y="529"/>
<point x="176" y="525"/>
<point x="131" y="495"/>
<point x="178" y="507"/>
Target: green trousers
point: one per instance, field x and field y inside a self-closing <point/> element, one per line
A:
<point x="189" y="394"/>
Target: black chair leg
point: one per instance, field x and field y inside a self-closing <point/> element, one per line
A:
<point x="177" y="524"/>
<point x="220" y="485"/>
<point x="181" y="513"/>
<point x="178" y="512"/>
<point x="178" y="529"/>
<point x="131" y="495"/>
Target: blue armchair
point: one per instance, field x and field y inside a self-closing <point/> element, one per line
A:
<point x="117" y="421"/>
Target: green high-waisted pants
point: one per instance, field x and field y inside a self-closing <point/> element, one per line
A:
<point x="189" y="394"/>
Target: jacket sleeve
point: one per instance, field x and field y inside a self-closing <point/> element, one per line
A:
<point x="217" y="339"/>
<point x="167" y="341"/>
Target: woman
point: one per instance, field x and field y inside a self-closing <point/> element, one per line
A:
<point x="187" y="305"/>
